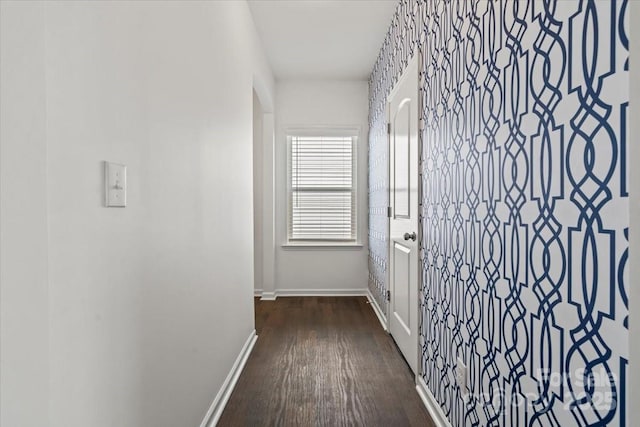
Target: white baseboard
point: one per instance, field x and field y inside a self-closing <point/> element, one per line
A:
<point x="257" y="292"/>
<point x="268" y="296"/>
<point x="434" y="409"/>
<point x="376" y="309"/>
<point x="215" y="410"/>
<point x="321" y="292"/>
<point x="271" y="296"/>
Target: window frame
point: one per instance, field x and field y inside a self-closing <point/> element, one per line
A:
<point x="352" y="132"/>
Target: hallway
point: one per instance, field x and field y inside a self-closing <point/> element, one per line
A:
<point x="275" y="212"/>
<point x="323" y="362"/>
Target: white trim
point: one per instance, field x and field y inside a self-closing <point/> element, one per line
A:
<point x="321" y="245"/>
<point x="268" y="296"/>
<point x="323" y="130"/>
<point x="434" y="409"/>
<point x="376" y="309"/>
<point x="321" y="292"/>
<point x="217" y="406"/>
<point x="257" y="292"/>
<point x="271" y="296"/>
<point x="269" y="204"/>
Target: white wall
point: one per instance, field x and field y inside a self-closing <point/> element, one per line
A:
<point x="258" y="228"/>
<point x="320" y="103"/>
<point x="144" y="309"/>
<point x="24" y="335"/>
<point x="267" y="238"/>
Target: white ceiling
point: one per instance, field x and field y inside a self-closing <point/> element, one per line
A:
<point x="322" y="39"/>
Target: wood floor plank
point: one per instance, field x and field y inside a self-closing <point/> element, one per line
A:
<point x="323" y="361"/>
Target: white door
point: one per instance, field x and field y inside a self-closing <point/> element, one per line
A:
<point x="403" y="223"/>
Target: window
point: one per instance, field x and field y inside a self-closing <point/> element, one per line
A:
<point x="322" y="188"/>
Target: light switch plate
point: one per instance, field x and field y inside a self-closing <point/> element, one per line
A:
<point x="115" y="181"/>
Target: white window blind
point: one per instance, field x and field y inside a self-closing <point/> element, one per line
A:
<point x="322" y="199"/>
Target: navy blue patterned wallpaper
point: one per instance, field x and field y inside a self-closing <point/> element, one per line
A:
<point x="524" y="205"/>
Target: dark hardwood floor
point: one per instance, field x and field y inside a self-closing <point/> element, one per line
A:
<point x="323" y="362"/>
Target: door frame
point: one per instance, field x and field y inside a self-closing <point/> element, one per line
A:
<point x="417" y="60"/>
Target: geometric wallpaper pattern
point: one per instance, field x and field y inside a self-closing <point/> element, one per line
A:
<point x="524" y="212"/>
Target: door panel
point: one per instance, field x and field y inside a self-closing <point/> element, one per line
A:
<point x="402" y="257"/>
<point x="403" y="225"/>
<point x="401" y="156"/>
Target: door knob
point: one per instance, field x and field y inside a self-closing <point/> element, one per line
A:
<point x="411" y="236"/>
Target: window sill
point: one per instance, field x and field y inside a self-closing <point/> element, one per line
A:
<point x="322" y="245"/>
